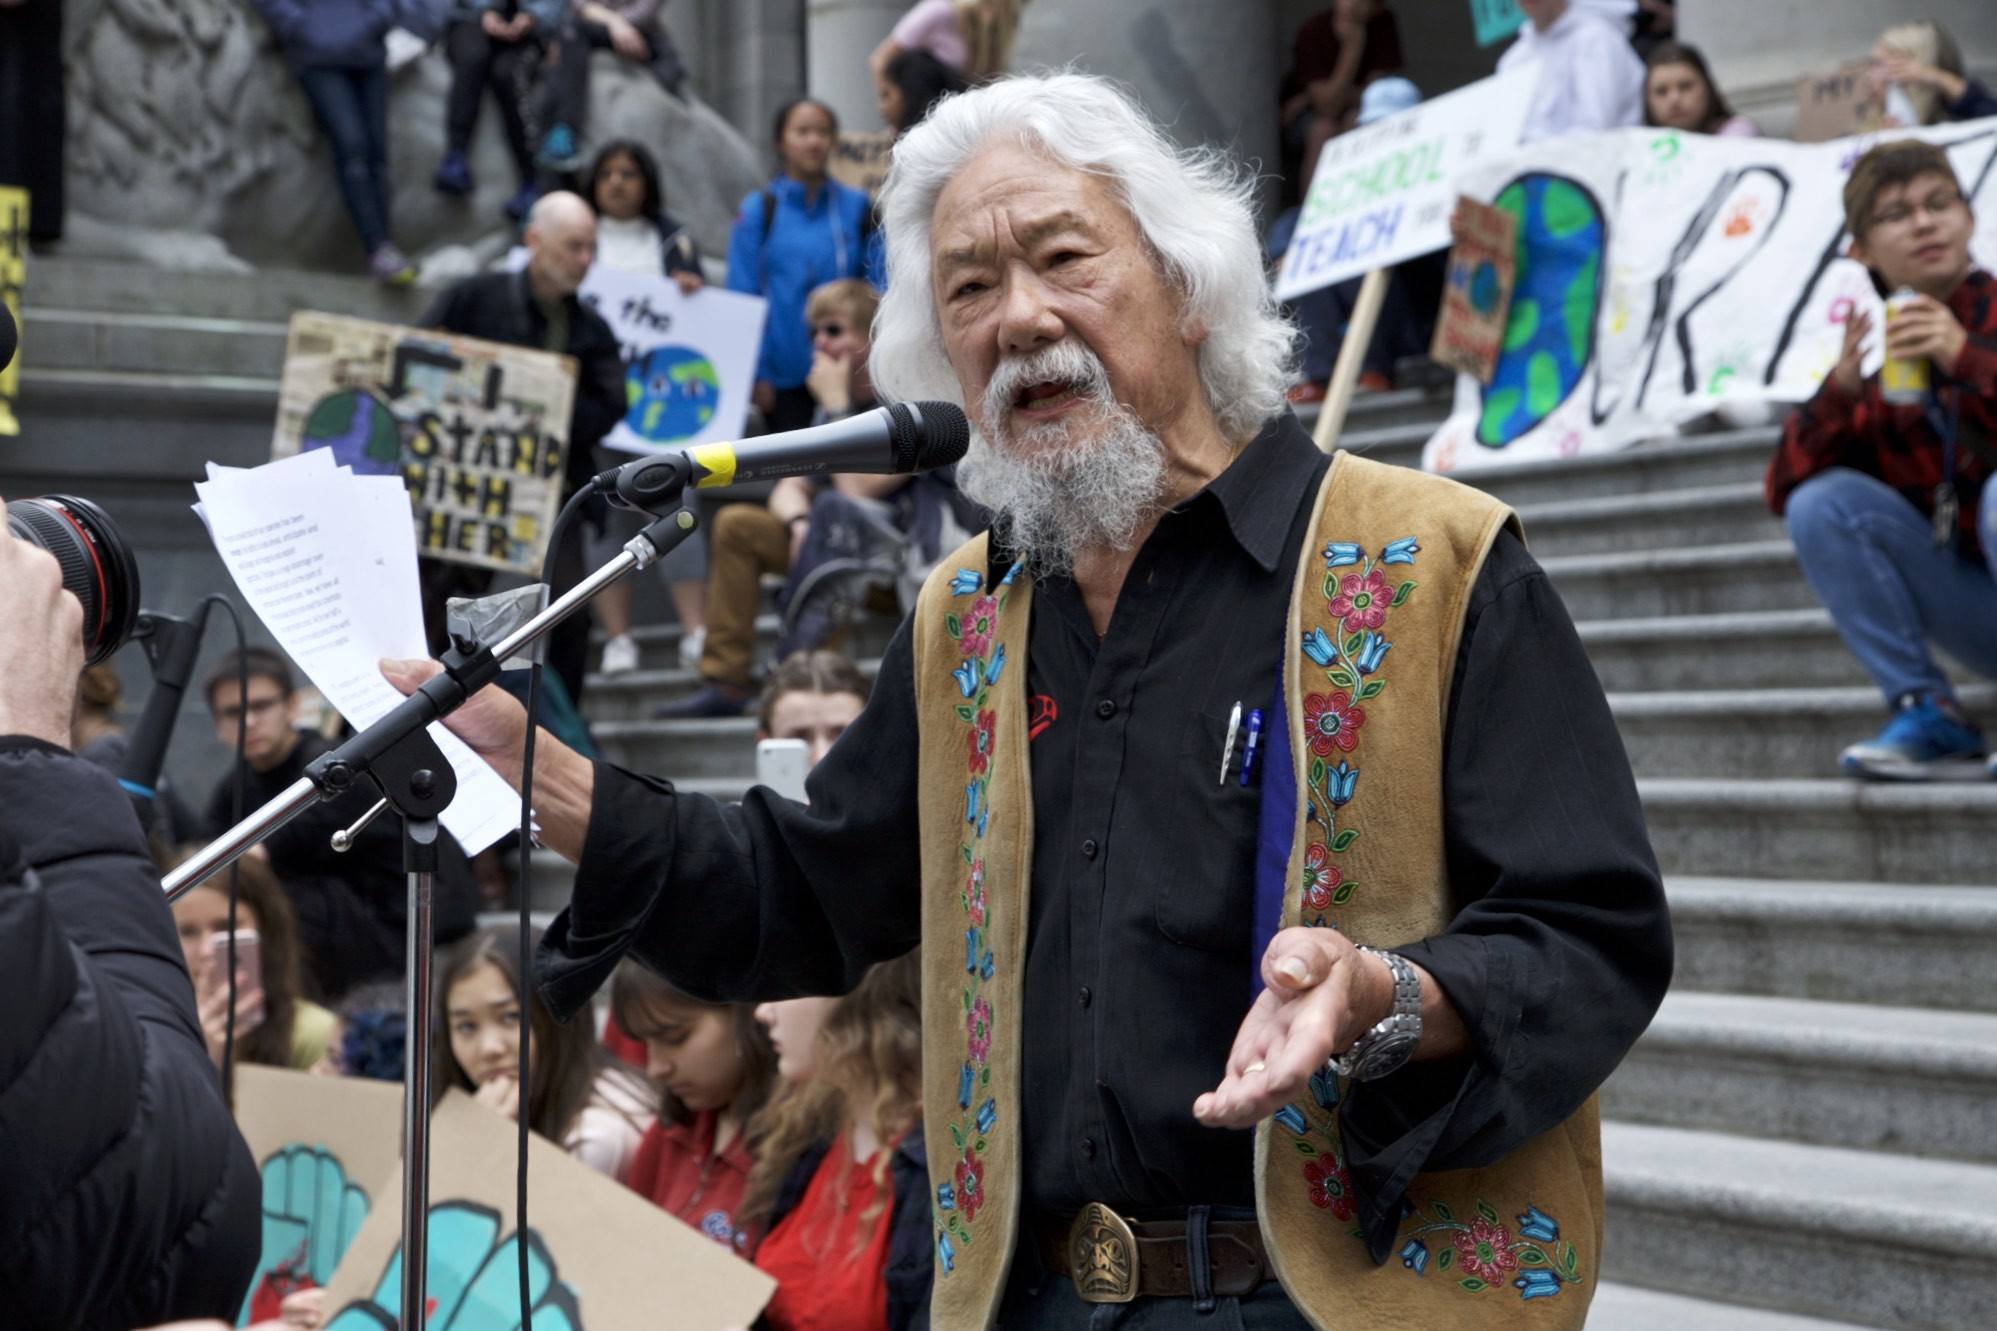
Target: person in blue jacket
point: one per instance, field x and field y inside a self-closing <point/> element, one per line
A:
<point x="797" y="233"/>
<point x="335" y="48"/>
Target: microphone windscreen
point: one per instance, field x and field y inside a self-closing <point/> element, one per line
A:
<point x="945" y="435"/>
<point x="10" y="337"/>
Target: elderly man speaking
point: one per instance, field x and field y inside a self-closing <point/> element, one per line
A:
<point x="1224" y="785"/>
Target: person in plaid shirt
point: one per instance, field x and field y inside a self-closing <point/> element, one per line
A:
<point x="1883" y="500"/>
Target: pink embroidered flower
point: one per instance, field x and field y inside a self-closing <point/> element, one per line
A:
<point x="970" y="1184"/>
<point x="978" y="623"/>
<point x="1321" y="877"/>
<point x="980" y="741"/>
<point x="1485" y="1251"/>
<point x="978" y="1031"/>
<point x="974" y="894"/>
<point x="1332" y="723"/>
<point x="1361" y="602"/>
<point x="1331" y="1187"/>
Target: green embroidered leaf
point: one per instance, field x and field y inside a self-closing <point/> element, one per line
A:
<point x="1371" y="689"/>
<point x="954" y="626"/>
<point x="1567" y="1258"/>
<point x="967" y="1000"/>
<point x="1443" y="1212"/>
<point x="1485" y="1211"/>
<point x="1351" y="646"/>
<point x="1303" y="1147"/>
<point x="1473" y="1284"/>
<point x="1401" y="592"/>
<point x="1330" y="585"/>
<point x="957" y="1135"/>
<point x="985" y="1077"/>
<point x="1345" y="838"/>
<point x="955" y="1225"/>
<point x="980" y="1147"/>
<point x="1340" y="676"/>
<point x="966" y="715"/>
<point x="1444" y="1259"/>
<point x="1343" y="894"/>
<point x="967" y="854"/>
<point x="1532" y="1257"/>
<point x="1317" y="772"/>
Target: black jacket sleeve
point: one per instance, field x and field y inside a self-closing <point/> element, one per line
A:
<point x="127" y="1197"/>
<point x="600" y="397"/>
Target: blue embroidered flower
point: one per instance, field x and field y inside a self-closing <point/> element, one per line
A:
<point x="1402" y="551"/>
<point x="972" y="797"/>
<point x="1012" y="573"/>
<point x="966" y="582"/>
<point x="1371" y="648"/>
<point x="970" y="951"/>
<point x="1340" y="553"/>
<point x="998" y="664"/>
<point x="987" y="1115"/>
<point x="1339" y="782"/>
<point x="1292" y="1118"/>
<point x="1324" y="1089"/>
<point x="1319" y="647"/>
<point x="946" y="1253"/>
<point x="985" y="967"/>
<point x="1537" y="1224"/>
<point x="1414" y="1256"/>
<point x="966" y="675"/>
<point x="946" y="1197"/>
<point x="1537" y="1284"/>
<point x="964" y="1079"/>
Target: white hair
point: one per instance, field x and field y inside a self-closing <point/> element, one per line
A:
<point x="1194" y="207"/>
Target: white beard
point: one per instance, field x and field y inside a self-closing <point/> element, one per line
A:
<point x="1085" y="482"/>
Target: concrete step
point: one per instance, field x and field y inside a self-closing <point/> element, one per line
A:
<point x="682" y="750"/>
<point x="1744" y="650"/>
<point x="1619" y="1307"/>
<point x="1716" y="579"/>
<point x="157" y="344"/>
<point x="659" y="644"/>
<point x="1672" y="463"/>
<point x="1422" y="407"/>
<point x="1757" y="732"/>
<point x="633" y="695"/>
<point x="1893" y="943"/>
<point x="271" y="294"/>
<point x="1917" y="1081"/>
<point x="1831" y="829"/>
<point x="1822" y="1231"/>
<point x="1703" y="515"/>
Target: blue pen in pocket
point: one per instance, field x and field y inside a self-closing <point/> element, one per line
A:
<point x="1252" y="747"/>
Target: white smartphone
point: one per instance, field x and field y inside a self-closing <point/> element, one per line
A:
<point x="249" y="965"/>
<point x="781" y="765"/>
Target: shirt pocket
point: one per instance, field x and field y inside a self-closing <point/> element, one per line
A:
<point x="1206" y="868"/>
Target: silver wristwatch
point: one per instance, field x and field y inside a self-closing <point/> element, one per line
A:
<point x="1391" y="1043"/>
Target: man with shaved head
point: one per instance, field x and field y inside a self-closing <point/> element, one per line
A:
<point x="537" y="307"/>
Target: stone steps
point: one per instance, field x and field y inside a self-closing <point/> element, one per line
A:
<point x="1739" y="650"/>
<point x="1703" y="515"/>
<point x="1885" y="1239"/>
<point x="1619" y="1307"/>
<point x="1906" y="1080"/>
<point x="1892" y="943"/>
<point x="1716" y="579"/>
<point x="157" y="344"/>
<point x="1682" y="463"/>
<point x="272" y="295"/>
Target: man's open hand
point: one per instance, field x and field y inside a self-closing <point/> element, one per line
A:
<point x="492" y="721"/>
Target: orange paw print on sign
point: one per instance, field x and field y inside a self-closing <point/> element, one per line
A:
<point x="1740" y="220"/>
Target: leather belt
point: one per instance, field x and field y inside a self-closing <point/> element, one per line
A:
<point x="1114" y="1260"/>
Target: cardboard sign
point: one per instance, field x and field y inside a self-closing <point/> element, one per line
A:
<point x="1478" y="296"/>
<point x="601" y="1257"/>
<point x="1495" y="20"/>
<point x="1663" y="275"/>
<point x="1832" y="104"/>
<point x="689" y="361"/>
<point x="13" y="276"/>
<point x="322" y="1146"/>
<point x="477" y="430"/>
<point x="860" y="158"/>
<point x="1383" y="193"/>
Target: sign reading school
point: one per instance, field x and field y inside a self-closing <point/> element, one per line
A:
<point x="1383" y="194"/>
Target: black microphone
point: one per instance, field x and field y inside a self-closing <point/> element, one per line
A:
<point x="901" y="439"/>
<point x="170" y="644"/>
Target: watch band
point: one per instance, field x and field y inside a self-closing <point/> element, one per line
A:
<point x="1391" y="1042"/>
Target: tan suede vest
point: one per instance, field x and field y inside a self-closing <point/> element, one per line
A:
<point x="1393" y="559"/>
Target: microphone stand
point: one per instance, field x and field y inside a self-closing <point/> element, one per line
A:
<point x="398" y="756"/>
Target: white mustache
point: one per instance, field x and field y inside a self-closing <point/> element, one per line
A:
<point x="1066" y="362"/>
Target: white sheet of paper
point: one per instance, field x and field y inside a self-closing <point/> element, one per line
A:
<point x="327" y="560"/>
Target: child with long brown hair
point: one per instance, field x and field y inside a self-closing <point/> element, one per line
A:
<point x="841" y="1183"/>
<point x="595" y="1109"/>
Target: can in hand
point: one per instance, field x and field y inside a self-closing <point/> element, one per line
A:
<point x="1903" y="380"/>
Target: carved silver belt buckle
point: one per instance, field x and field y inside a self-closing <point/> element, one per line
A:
<point x="1102" y="1256"/>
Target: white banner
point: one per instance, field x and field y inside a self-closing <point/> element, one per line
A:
<point x="1664" y="275"/>
<point x="1384" y="193"/>
<point x="689" y="361"/>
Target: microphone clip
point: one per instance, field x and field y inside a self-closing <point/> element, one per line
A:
<point x="650" y="485"/>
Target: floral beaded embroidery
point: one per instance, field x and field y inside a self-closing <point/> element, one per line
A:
<point x="976" y="672"/>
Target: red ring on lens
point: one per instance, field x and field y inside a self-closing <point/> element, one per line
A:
<point x="96" y="565"/>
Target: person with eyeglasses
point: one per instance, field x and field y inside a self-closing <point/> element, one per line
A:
<point x="1883" y="499"/>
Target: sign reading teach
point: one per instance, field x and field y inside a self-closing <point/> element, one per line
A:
<point x="1383" y="194"/>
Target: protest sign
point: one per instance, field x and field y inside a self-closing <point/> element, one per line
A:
<point x="689" y="361"/>
<point x="1478" y="295"/>
<point x="1832" y="104"/>
<point x="1383" y="193"/>
<point x="658" y="1273"/>
<point x="1495" y="20"/>
<point x="860" y="158"/>
<point x="477" y="430"/>
<point x="13" y="275"/>
<point x="1662" y="276"/>
<point x="322" y="1146"/>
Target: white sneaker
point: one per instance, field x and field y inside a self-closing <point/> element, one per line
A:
<point x="620" y="655"/>
<point x="692" y="644"/>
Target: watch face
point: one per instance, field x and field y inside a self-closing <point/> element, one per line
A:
<point x="1386" y="1055"/>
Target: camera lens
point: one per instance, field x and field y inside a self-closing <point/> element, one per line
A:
<point x="97" y="565"/>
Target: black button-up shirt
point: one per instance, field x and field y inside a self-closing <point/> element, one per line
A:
<point x="1138" y="964"/>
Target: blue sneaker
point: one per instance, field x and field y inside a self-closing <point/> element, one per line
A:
<point x="1927" y="740"/>
<point x="454" y="174"/>
<point x="561" y="151"/>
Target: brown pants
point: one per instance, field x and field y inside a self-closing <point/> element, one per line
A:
<point x="745" y="542"/>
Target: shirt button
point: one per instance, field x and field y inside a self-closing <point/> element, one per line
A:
<point x="1088" y="1148"/>
<point x="1089" y="849"/>
<point x="1105" y="709"/>
<point x="1085" y="997"/>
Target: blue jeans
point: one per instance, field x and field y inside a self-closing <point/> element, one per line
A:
<point x="352" y="107"/>
<point x="1871" y="557"/>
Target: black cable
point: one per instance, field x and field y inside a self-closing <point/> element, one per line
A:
<point x="236" y="799"/>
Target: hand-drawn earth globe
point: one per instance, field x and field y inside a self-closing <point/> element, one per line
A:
<point x="673" y="392"/>
<point x="360" y="428"/>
